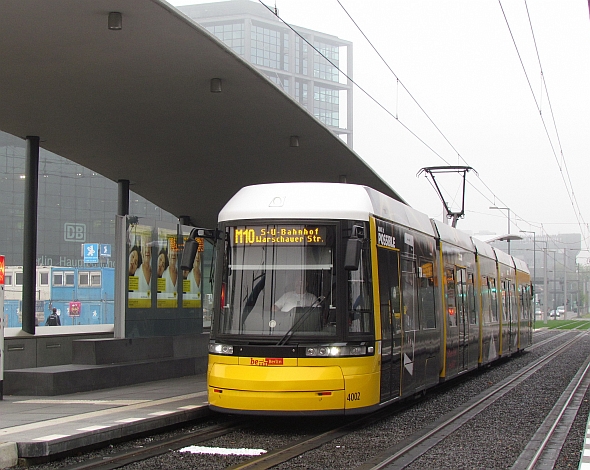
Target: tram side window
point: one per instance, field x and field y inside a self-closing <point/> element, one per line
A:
<point x="426" y="295"/>
<point x="486" y="307"/>
<point x="521" y="306"/>
<point x="409" y="296"/>
<point x="471" y="300"/>
<point x="505" y="300"/>
<point x="513" y="304"/>
<point x="493" y="298"/>
<point x="527" y="302"/>
<point x="18" y="278"/>
<point x="359" y="297"/>
<point x="451" y="300"/>
<point x="389" y="293"/>
<point x="461" y="295"/>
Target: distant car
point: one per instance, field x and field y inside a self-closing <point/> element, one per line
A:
<point x="554" y="314"/>
<point x="560" y="310"/>
<point x="538" y="312"/>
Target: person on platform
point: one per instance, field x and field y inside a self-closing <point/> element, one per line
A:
<point x="53" y="318"/>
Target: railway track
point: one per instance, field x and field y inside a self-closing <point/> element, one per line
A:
<point x="551" y="435"/>
<point x="401" y="454"/>
<point x="418" y="444"/>
<point x="161" y="447"/>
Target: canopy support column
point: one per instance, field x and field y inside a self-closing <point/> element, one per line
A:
<point x="30" y="234"/>
<point x="121" y="258"/>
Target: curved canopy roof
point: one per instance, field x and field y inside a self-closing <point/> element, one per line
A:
<point x="136" y="104"/>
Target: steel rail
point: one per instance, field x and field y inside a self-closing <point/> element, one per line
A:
<point x="576" y="391"/>
<point x="158" y="448"/>
<point x="456" y="419"/>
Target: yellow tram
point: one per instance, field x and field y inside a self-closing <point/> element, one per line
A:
<point x="336" y="299"/>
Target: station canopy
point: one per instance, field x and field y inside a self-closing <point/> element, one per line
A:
<point x="136" y="104"/>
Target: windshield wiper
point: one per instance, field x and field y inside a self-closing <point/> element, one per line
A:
<point x="301" y="319"/>
<point x="253" y="297"/>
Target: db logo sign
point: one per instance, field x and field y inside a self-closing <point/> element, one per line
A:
<point x="74" y="232"/>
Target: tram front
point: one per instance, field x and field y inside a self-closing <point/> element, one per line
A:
<point x="293" y="326"/>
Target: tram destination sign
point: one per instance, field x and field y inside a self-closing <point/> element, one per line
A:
<point x="280" y="235"/>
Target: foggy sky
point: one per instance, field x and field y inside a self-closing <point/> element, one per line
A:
<point x="458" y="60"/>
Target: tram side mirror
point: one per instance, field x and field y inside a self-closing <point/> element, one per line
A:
<point x="352" y="257"/>
<point x="188" y="254"/>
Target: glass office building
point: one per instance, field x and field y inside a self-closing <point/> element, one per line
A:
<point x="309" y="74"/>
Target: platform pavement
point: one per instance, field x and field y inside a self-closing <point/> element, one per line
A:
<point x="38" y="427"/>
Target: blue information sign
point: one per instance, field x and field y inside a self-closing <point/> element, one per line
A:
<point x="105" y="251"/>
<point x="91" y="252"/>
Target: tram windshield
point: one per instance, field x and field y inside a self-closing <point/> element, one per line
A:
<point x="278" y="280"/>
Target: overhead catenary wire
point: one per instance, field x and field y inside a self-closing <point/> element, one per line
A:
<point x="399" y="82"/>
<point x="426" y="114"/>
<point x="561" y="165"/>
<point x="573" y="200"/>
<point x="396" y="116"/>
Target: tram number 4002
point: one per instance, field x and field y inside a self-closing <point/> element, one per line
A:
<point x="356" y="396"/>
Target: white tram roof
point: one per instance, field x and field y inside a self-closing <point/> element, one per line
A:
<point x="320" y="201"/>
<point x="298" y="201"/>
<point x="504" y="258"/>
<point x="521" y="265"/>
<point x="483" y="248"/>
<point x="453" y="236"/>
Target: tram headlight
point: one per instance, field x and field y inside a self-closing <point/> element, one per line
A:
<point x="334" y="351"/>
<point x="338" y="351"/>
<point x="218" y="348"/>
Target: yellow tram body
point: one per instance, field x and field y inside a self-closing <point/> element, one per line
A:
<point x="296" y="385"/>
<point x="399" y="302"/>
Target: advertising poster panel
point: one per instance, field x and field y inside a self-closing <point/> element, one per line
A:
<point x="167" y="268"/>
<point x="75" y="309"/>
<point x="139" y="240"/>
<point x="192" y="280"/>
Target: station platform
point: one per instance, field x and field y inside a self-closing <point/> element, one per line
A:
<point x="40" y="427"/>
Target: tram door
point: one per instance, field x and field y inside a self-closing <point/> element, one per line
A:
<point x="510" y="314"/>
<point x="457" y="358"/>
<point x="391" y="335"/>
<point x="462" y="314"/>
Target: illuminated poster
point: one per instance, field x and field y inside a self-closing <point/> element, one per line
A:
<point x="167" y="268"/>
<point x="140" y="266"/>
<point x="75" y="308"/>
<point x="192" y="280"/>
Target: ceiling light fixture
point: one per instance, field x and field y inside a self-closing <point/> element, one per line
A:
<point x="115" y="21"/>
<point x="216" y="85"/>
